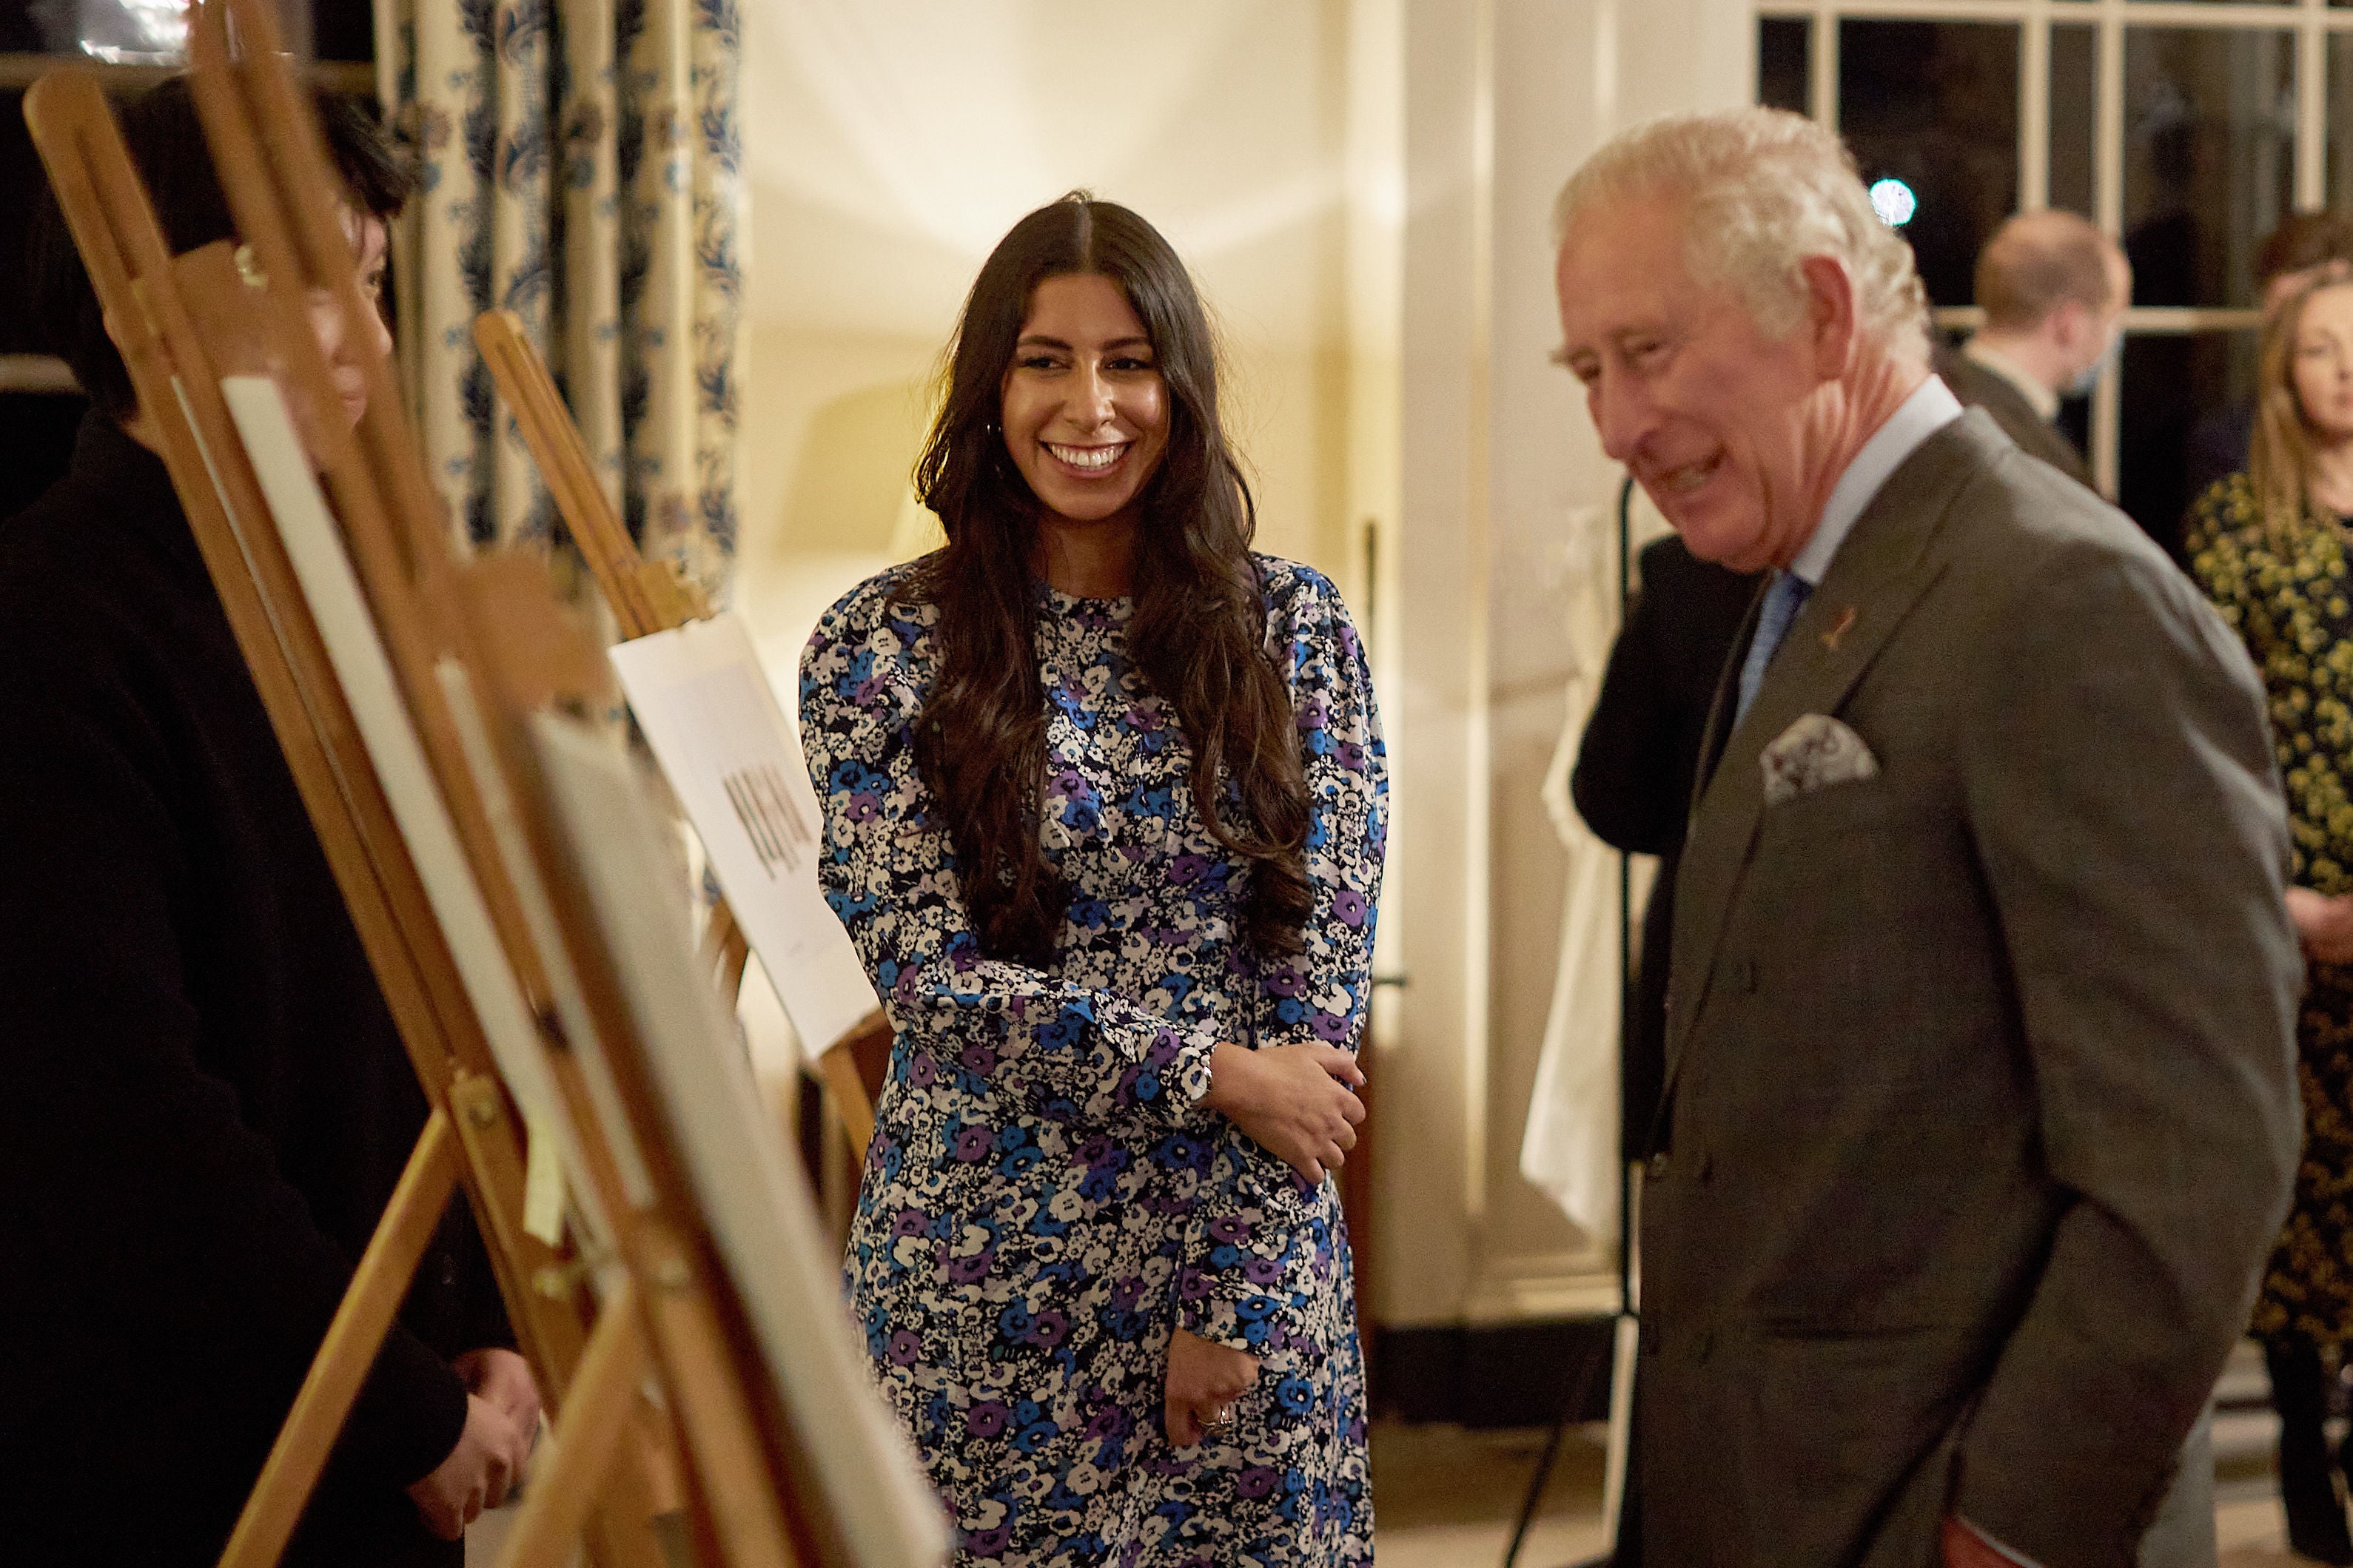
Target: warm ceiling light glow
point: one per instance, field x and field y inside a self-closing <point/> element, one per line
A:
<point x="132" y="32"/>
<point x="1894" y="202"/>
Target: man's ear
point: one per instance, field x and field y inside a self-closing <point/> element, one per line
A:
<point x="2070" y="325"/>
<point x="1831" y="315"/>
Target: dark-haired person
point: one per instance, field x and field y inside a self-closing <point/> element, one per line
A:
<point x="206" y="1105"/>
<point x="1105" y="804"/>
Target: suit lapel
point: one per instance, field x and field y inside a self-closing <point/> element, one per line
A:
<point x="1878" y="577"/>
<point x="1719" y="708"/>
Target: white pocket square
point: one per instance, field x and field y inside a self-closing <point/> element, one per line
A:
<point x="1814" y="753"/>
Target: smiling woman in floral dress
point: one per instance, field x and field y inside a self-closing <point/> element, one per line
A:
<point x="1106" y="804"/>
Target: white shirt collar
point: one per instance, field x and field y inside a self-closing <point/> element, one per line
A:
<point x="1929" y="409"/>
<point x="2040" y="398"/>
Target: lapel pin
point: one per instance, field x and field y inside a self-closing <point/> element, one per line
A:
<point x="1839" y="629"/>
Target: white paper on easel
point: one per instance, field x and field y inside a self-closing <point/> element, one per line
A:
<point x="735" y="762"/>
<point x="315" y="549"/>
<point x="749" y="1187"/>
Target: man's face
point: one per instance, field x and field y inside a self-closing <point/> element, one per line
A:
<point x="2102" y="327"/>
<point x="1719" y="422"/>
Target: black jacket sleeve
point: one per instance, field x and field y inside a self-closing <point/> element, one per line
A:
<point x="1640" y="750"/>
<point x="1624" y="781"/>
<point x="181" y="1282"/>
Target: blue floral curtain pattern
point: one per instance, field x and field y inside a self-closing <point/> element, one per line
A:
<point x="581" y="166"/>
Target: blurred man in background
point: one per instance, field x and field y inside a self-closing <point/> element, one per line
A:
<point x="2054" y="290"/>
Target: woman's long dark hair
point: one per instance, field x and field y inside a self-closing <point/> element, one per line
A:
<point x="1198" y="632"/>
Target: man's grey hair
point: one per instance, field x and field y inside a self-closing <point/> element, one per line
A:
<point x="1762" y="189"/>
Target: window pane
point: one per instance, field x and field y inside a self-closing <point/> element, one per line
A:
<point x="2209" y="145"/>
<point x="1934" y="106"/>
<point x="2340" y="113"/>
<point x="2075" y="112"/>
<point x="2177" y="396"/>
<point x="1785" y="78"/>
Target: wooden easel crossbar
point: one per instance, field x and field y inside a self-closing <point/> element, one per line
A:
<point x="471" y="660"/>
<point x="646" y="597"/>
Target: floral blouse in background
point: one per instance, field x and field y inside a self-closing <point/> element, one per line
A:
<point x="2289" y="595"/>
<point x="1044" y="1199"/>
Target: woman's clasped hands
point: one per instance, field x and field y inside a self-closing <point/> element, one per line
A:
<point x="1297" y="1101"/>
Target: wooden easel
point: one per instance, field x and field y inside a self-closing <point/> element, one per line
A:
<point x="473" y="1134"/>
<point x="448" y="637"/>
<point x="478" y="652"/>
<point x="646" y="597"/>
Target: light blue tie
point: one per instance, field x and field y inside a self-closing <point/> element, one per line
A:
<point x="1783" y="600"/>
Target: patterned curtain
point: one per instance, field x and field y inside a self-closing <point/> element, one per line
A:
<point x="582" y="166"/>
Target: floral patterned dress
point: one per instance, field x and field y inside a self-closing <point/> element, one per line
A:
<point x="1044" y="1199"/>
<point x="2290" y="599"/>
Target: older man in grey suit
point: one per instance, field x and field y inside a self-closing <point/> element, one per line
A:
<point x="1980" y="1110"/>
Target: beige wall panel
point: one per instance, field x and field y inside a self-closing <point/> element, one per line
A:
<point x="891" y="143"/>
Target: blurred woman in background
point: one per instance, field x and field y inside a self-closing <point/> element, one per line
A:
<point x="2269" y="546"/>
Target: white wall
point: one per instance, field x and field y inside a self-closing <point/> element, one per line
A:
<point x="891" y="143"/>
<point x="1504" y="488"/>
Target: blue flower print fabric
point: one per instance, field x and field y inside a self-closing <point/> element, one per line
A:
<point x="1044" y="1198"/>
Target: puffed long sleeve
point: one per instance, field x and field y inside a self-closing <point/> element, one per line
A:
<point x="1066" y="1051"/>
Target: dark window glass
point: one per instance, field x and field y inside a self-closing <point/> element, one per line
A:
<point x="2209" y="156"/>
<point x="2074" y="113"/>
<point x="19" y="34"/>
<point x="20" y="178"/>
<point x="342" y="31"/>
<point x="2340" y="113"/>
<point x="36" y="432"/>
<point x="1785" y="76"/>
<point x="1932" y="106"/>
<point x="2180" y="397"/>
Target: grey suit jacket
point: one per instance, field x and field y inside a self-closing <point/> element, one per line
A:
<point x="1980" y="1110"/>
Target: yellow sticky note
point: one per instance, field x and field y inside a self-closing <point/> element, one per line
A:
<point x="542" y="1180"/>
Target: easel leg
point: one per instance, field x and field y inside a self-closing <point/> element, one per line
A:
<point x="732" y="1502"/>
<point x="349" y="1350"/>
<point x="597" y="1416"/>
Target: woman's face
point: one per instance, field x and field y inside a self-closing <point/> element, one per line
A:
<point x="2321" y="366"/>
<point x="1085" y="409"/>
<point x="338" y="343"/>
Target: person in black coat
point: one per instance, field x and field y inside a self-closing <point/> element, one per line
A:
<point x="1637" y="763"/>
<point x="205" y="1104"/>
<point x="1636" y="766"/>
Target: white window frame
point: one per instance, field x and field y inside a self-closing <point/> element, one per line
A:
<point x="2311" y="21"/>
